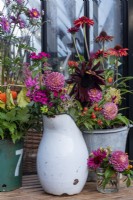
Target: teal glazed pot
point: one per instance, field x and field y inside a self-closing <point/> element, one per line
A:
<point x="10" y="165"/>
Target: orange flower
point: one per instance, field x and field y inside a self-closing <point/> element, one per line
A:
<point x="101" y="53"/>
<point x="104" y="37"/>
<point x="82" y="21"/>
<point x="73" y="64"/>
<point x="118" y="51"/>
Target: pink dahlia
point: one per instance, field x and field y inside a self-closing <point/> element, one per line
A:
<point x="96" y="158"/>
<point x="110" y="110"/>
<point x="55" y="81"/>
<point x="119" y="160"/>
<point x="94" y="95"/>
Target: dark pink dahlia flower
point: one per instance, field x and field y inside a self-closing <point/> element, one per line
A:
<point x="96" y="158"/>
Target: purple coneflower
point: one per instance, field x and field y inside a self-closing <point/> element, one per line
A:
<point x="104" y="37"/>
<point x="34" y="13"/>
<point x="5" y="24"/>
<point x="73" y="30"/>
<point x="83" y="20"/>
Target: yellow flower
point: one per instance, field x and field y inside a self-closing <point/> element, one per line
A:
<point x="44" y="109"/>
<point x="114" y="95"/>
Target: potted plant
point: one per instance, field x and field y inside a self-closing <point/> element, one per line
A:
<point x="97" y="85"/>
<point x="108" y="166"/>
<point x="17" y="21"/>
<point x="62" y="142"/>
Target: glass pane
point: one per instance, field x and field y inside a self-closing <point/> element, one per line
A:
<point x="34" y="37"/>
<point x="61" y="14"/>
<point x="107" y="17"/>
<point x="18" y="31"/>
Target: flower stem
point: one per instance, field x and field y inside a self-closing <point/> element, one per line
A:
<point x="86" y="45"/>
<point x="74" y="41"/>
<point x="116" y="72"/>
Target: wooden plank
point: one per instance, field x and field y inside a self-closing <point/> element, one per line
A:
<point x="32" y="190"/>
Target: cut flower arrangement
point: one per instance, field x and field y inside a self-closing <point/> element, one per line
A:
<point x="96" y="83"/>
<point x="17" y="21"/>
<point x="94" y="91"/>
<point x="46" y="88"/>
<point x="112" y="163"/>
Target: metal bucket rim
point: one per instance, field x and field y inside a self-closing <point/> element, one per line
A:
<point x="102" y="131"/>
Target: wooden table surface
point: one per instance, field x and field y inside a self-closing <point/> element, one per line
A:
<point x="31" y="190"/>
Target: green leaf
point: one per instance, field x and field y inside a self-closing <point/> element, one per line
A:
<point x="109" y="172"/>
<point x="35" y="73"/>
<point x="2" y="104"/>
<point x="23" y="115"/>
<point x="12" y="127"/>
<point x="3" y="116"/>
<point x="22" y="100"/>
<point x="96" y="61"/>
<point x="1" y="133"/>
<point x="123" y="119"/>
<point x="81" y="58"/>
<point x="128" y="182"/>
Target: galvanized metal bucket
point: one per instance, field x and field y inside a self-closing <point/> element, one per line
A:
<point x="10" y="165"/>
<point x="115" y="138"/>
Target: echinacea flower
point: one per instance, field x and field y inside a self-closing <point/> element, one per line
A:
<point x="73" y="63"/>
<point x="94" y="95"/>
<point x="4" y="24"/>
<point x="119" y="161"/>
<point x="96" y="158"/>
<point x="83" y="20"/>
<point x="118" y="51"/>
<point x="103" y="37"/>
<point x="110" y="110"/>
<point x="34" y="13"/>
<point x="73" y="30"/>
<point x="55" y="81"/>
<point x="100" y="53"/>
<point x="19" y="1"/>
